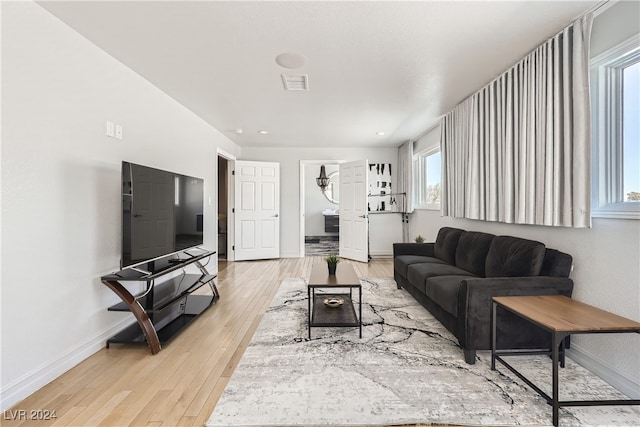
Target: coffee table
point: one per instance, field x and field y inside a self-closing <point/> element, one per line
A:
<point x="343" y="315"/>
<point x="562" y="317"/>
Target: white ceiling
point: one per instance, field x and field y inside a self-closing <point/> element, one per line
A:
<point x="373" y="66"/>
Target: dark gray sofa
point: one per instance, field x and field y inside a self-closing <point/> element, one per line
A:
<point x="456" y="276"/>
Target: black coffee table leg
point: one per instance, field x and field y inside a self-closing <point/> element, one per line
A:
<point x="360" y="309"/>
<point x="309" y="310"/>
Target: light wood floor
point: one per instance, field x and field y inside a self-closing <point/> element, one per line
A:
<point x="127" y="386"/>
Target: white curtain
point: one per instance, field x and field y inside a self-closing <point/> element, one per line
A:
<point x="518" y="150"/>
<point x="405" y="185"/>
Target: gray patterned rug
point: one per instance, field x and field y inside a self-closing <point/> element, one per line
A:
<point x="407" y="369"/>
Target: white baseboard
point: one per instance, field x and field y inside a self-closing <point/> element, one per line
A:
<point x="381" y="254"/>
<point x="27" y="384"/>
<point x="605" y="371"/>
<point x="289" y="255"/>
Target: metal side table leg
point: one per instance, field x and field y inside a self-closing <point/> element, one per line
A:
<point x="494" y="306"/>
<point x="556" y="408"/>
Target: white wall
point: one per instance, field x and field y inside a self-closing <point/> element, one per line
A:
<point x="385" y="229"/>
<point x="61" y="188"/>
<point x="606" y="257"/>
<point x="289" y="159"/>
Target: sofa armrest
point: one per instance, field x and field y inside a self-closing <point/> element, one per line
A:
<point x="474" y="303"/>
<point x="423" y="249"/>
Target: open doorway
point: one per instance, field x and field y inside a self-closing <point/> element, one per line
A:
<point x="223" y="207"/>
<point x="320" y="210"/>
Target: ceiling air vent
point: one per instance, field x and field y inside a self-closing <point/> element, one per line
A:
<point x="295" y="81"/>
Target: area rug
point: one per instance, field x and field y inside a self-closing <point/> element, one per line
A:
<point x="406" y="369"/>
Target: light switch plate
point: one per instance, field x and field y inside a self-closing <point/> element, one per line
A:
<point x="118" y="131"/>
<point x="111" y="129"/>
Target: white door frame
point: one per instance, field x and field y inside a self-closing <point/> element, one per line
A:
<point x="303" y="164"/>
<point x="231" y="166"/>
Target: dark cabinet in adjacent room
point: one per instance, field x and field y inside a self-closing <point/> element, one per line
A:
<point x="331" y="223"/>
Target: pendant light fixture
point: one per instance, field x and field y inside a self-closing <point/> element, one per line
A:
<point x="322" y="180"/>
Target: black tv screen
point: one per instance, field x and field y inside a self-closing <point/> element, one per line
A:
<point x="162" y="213"/>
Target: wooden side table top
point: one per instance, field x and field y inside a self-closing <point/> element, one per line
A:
<point x="562" y="314"/>
<point x="345" y="276"/>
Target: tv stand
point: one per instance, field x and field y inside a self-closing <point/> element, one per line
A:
<point x="163" y="309"/>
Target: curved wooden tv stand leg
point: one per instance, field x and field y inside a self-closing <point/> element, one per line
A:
<point x="137" y="310"/>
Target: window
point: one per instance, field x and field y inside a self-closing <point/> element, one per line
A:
<point x="426" y="179"/>
<point x="615" y="85"/>
<point x="631" y="132"/>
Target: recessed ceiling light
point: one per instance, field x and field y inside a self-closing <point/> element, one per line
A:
<point x="263" y="132"/>
<point x="379" y="133"/>
<point x="291" y="60"/>
<point x="239" y="130"/>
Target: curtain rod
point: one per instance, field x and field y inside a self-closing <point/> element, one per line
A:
<point x="599" y="8"/>
<point x="596" y="10"/>
<point x="435" y="123"/>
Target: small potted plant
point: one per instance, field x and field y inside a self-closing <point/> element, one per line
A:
<point x="332" y="262"/>
<point x="419" y="239"/>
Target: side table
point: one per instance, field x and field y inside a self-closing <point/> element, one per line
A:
<point x="562" y="317"/>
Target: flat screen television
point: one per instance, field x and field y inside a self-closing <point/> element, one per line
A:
<point x="162" y="213"/>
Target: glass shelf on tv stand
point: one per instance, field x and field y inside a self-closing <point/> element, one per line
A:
<point x="162" y="309"/>
<point x="159" y="267"/>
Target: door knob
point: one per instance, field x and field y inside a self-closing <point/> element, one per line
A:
<point x="362" y="216"/>
<point x="275" y="216"/>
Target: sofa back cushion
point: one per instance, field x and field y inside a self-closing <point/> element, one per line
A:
<point x="446" y="244"/>
<point x="514" y="257"/>
<point x="556" y="264"/>
<point x="471" y="254"/>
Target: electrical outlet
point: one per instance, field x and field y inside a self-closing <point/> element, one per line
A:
<point x="118" y="131"/>
<point x="111" y="129"/>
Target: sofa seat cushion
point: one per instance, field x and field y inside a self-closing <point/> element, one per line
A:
<point x="443" y="290"/>
<point x="514" y="257"/>
<point x="402" y="262"/>
<point x="417" y="274"/>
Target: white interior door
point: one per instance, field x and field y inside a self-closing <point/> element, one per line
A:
<point x="257" y="210"/>
<point x="354" y="225"/>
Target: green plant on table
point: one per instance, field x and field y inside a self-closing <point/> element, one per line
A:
<point x="419" y="239"/>
<point x="332" y="260"/>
